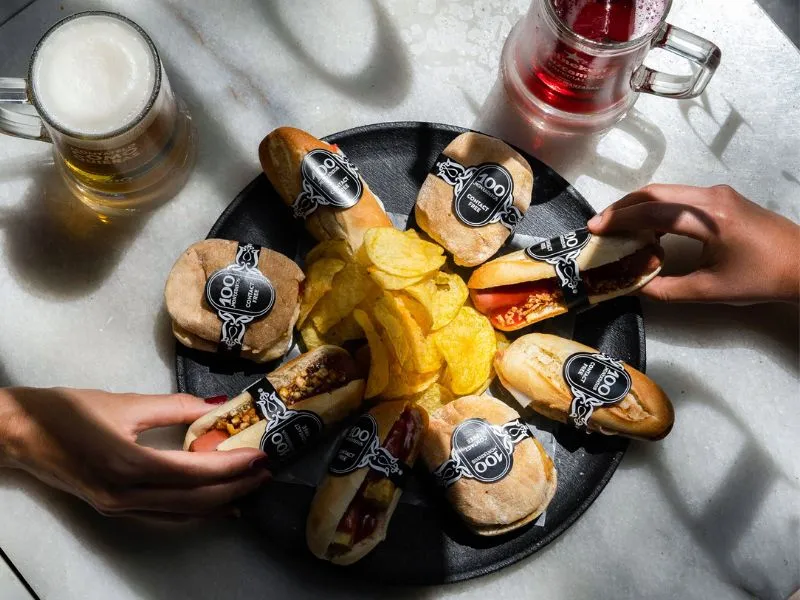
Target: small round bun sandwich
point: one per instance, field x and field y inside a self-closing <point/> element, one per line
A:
<point x="476" y="193"/>
<point x="572" y="383"/>
<point x="291" y="405"/>
<point x="226" y="296"/>
<point x="317" y="181"/>
<point x="517" y="290"/>
<point x="495" y="474"/>
<point x="354" y="503"/>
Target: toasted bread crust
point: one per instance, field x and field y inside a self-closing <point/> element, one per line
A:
<point x="471" y="246"/>
<point x="196" y="325"/>
<point x="331" y="406"/>
<point x="281" y="154"/>
<point x="517" y="267"/>
<point x="335" y="493"/>
<point x="502" y="506"/>
<point x="531" y="370"/>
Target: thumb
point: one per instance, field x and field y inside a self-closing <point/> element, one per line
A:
<point x="694" y="287"/>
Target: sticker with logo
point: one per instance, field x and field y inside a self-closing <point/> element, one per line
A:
<point x="288" y="431"/>
<point x="596" y="380"/>
<point x="482" y="194"/>
<point x="481" y="451"/>
<point x="360" y="448"/>
<point x="328" y="179"/>
<point x="240" y="294"/>
<point x="562" y="252"/>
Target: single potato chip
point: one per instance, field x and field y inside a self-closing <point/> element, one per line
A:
<point x="403" y="382"/>
<point x="345" y="330"/>
<point x="433" y="398"/>
<point x="392" y="282"/>
<point x="311" y="337"/>
<point x="424" y="355"/>
<point x="412" y="233"/>
<point x="319" y="281"/>
<point x="348" y="289"/>
<point x="329" y="249"/>
<point x="398" y="254"/>
<point x="378" y="377"/>
<point x="417" y="312"/>
<point x="468" y="345"/>
<point x="442" y="295"/>
<point x="393" y="329"/>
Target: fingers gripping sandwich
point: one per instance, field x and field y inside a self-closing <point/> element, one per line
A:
<point x="285" y="411"/>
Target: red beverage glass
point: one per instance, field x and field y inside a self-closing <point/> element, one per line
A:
<point x="575" y="66"/>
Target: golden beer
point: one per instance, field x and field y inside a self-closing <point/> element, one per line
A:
<point x="122" y="140"/>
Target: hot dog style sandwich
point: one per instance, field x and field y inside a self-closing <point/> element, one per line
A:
<point x="321" y="186"/>
<point x="351" y="510"/>
<point x="565" y="273"/>
<point x="285" y="411"/>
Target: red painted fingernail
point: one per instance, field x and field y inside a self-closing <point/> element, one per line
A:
<point x="216" y="400"/>
<point x="262" y="462"/>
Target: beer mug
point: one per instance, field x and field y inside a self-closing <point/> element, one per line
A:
<point x="96" y="90"/>
<point x="575" y="66"/>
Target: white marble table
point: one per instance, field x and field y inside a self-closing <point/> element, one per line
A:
<point x="711" y="512"/>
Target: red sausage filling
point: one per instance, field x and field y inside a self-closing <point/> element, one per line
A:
<point x="325" y="375"/>
<point x="509" y="305"/>
<point x="377" y="491"/>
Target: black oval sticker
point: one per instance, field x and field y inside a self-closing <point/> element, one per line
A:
<point x="327" y="179"/>
<point x="355" y="445"/>
<point x="560" y="245"/>
<point x="481" y="451"/>
<point x="483" y="195"/>
<point x="291" y="435"/>
<point x="596" y="380"/>
<point x="240" y="292"/>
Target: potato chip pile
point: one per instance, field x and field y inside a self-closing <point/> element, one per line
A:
<point x="423" y="341"/>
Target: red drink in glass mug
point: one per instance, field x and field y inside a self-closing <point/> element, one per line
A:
<point x="576" y="65"/>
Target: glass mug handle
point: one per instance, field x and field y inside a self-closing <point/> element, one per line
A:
<point x="17" y="122"/>
<point x="695" y="49"/>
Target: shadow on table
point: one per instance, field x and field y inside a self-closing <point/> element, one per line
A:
<point x="578" y="155"/>
<point x="55" y="245"/>
<point x="197" y="560"/>
<point x="370" y="85"/>
<point x="719" y="524"/>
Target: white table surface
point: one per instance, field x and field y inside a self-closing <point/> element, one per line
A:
<point x="711" y="512"/>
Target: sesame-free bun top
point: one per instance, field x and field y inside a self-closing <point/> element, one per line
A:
<point x="196" y="324"/>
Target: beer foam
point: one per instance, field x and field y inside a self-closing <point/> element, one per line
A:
<point x="94" y="74"/>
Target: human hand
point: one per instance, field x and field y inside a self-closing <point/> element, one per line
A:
<point x="750" y="254"/>
<point x="84" y="442"/>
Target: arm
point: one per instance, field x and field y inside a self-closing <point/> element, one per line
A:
<point x="750" y="254"/>
<point x="84" y="442"/>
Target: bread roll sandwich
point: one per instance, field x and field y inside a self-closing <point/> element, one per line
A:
<point x="571" y="271"/>
<point x="284" y="412"/>
<point x="572" y="383"/>
<point x="234" y="298"/>
<point x="321" y="186"/>
<point x="496" y="475"/>
<point x="354" y="503"/>
<point x="476" y="193"/>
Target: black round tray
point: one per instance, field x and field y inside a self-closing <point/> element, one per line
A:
<point x="426" y="543"/>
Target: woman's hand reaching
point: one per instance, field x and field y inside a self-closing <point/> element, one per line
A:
<point x="84" y="442"/>
<point x="750" y="254"/>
